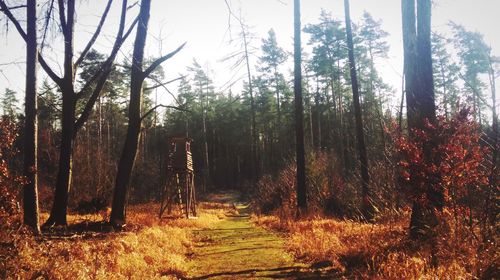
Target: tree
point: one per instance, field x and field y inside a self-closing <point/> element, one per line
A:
<point x="473" y="54"/>
<point x="137" y="77"/>
<point x="446" y="74"/>
<point x="242" y="57"/>
<point x="70" y="122"/>
<point x="370" y="44"/>
<point x="299" y="115"/>
<point x="372" y="38"/>
<point x="367" y="208"/>
<point x="273" y="57"/>
<point x="327" y="62"/>
<point x="30" y="166"/>
<point x="30" y="190"/>
<point x="203" y="89"/>
<point x="421" y="108"/>
<point x="9" y="103"/>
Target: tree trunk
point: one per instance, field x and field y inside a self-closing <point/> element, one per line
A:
<point x="367" y="207"/>
<point x="299" y="115"/>
<point x="420" y="103"/>
<point x="255" y="158"/>
<point x="129" y="152"/>
<point x="493" y="178"/>
<point x="30" y="194"/>
<point x="60" y="206"/>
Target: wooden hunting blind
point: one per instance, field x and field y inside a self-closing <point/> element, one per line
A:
<point x="179" y="187"/>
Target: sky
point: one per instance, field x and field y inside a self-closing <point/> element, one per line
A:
<point x="205" y="26"/>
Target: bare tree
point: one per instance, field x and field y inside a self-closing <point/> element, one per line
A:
<point x="30" y="190"/>
<point x="137" y="77"/>
<point x="71" y="123"/>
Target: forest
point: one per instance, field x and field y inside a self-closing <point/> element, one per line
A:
<point x="309" y="163"/>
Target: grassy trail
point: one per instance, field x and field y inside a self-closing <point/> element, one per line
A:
<point x="237" y="249"/>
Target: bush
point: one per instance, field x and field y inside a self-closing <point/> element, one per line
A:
<point x="10" y="218"/>
<point x="327" y="192"/>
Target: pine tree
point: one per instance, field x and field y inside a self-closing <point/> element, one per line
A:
<point x="473" y="54"/>
<point x="446" y="75"/>
<point x="10" y="103"/>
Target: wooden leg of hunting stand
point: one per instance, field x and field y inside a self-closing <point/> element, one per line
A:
<point x="178" y="187"/>
<point x="193" y="195"/>
<point x="162" y="197"/>
<point x="188" y="198"/>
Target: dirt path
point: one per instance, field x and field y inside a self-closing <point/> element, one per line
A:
<point x="237" y="249"/>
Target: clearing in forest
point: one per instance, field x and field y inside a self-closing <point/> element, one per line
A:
<point x="237" y="249"/>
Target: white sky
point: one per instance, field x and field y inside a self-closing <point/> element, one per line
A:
<point x="204" y="25"/>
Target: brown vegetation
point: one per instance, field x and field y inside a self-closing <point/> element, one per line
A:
<point x="147" y="249"/>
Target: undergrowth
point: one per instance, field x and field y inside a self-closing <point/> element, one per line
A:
<point x="383" y="250"/>
<point x="149" y="248"/>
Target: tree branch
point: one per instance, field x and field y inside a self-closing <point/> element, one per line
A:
<point x="474" y="91"/>
<point x="62" y="18"/>
<point x="165" y="83"/>
<point x="17" y="25"/>
<point x="90" y="81"/>
<point x="104" y="71"/>
<point x="160" y="60"/>
<point x="164" y="106"/>
<point x="95" y="35"/>
<point x="163" y="86"/>
<point x="21" y="32"/>
<point x="13" y="7"/>
<point x="48" y="16"/>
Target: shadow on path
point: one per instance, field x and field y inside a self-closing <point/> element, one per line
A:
<point x="294" y="272"/>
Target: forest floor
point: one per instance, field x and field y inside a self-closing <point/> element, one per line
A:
<point x="235" y="248"/>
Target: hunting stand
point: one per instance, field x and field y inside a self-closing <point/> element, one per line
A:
<point x="179" y="186"/>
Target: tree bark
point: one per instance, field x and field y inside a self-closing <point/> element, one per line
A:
<point x="366" y="207"/>
<point x="299" y="115"/>
<point x="30" y="194"/>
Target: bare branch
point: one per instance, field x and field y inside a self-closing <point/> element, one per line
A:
<point x="21" y="32"/>
<point x="133" y="5"/>
<point x="49" y="70"/>
<point x="13" y="7"/>
<point x="90" y="81"/>
<point x="48" y="16"/>
<point x="165" y="83"/>
<point x="164" y="106"/>
<point x="8" y="13"/>
<point x="164" y="87"/>
<point x="90" y="103"/>
<point x="62" y="18"/>
<point x="95" y="35"/>
<point x="103" y="72"/>
<point x="160" y="60"/>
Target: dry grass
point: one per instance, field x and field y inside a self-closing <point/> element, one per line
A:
<point x="383" y="250"/>
<point x="148" y="249"/>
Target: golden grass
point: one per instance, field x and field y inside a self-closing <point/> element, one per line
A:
<point x="153" y="249"/>
<point x="381" y="250"/>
